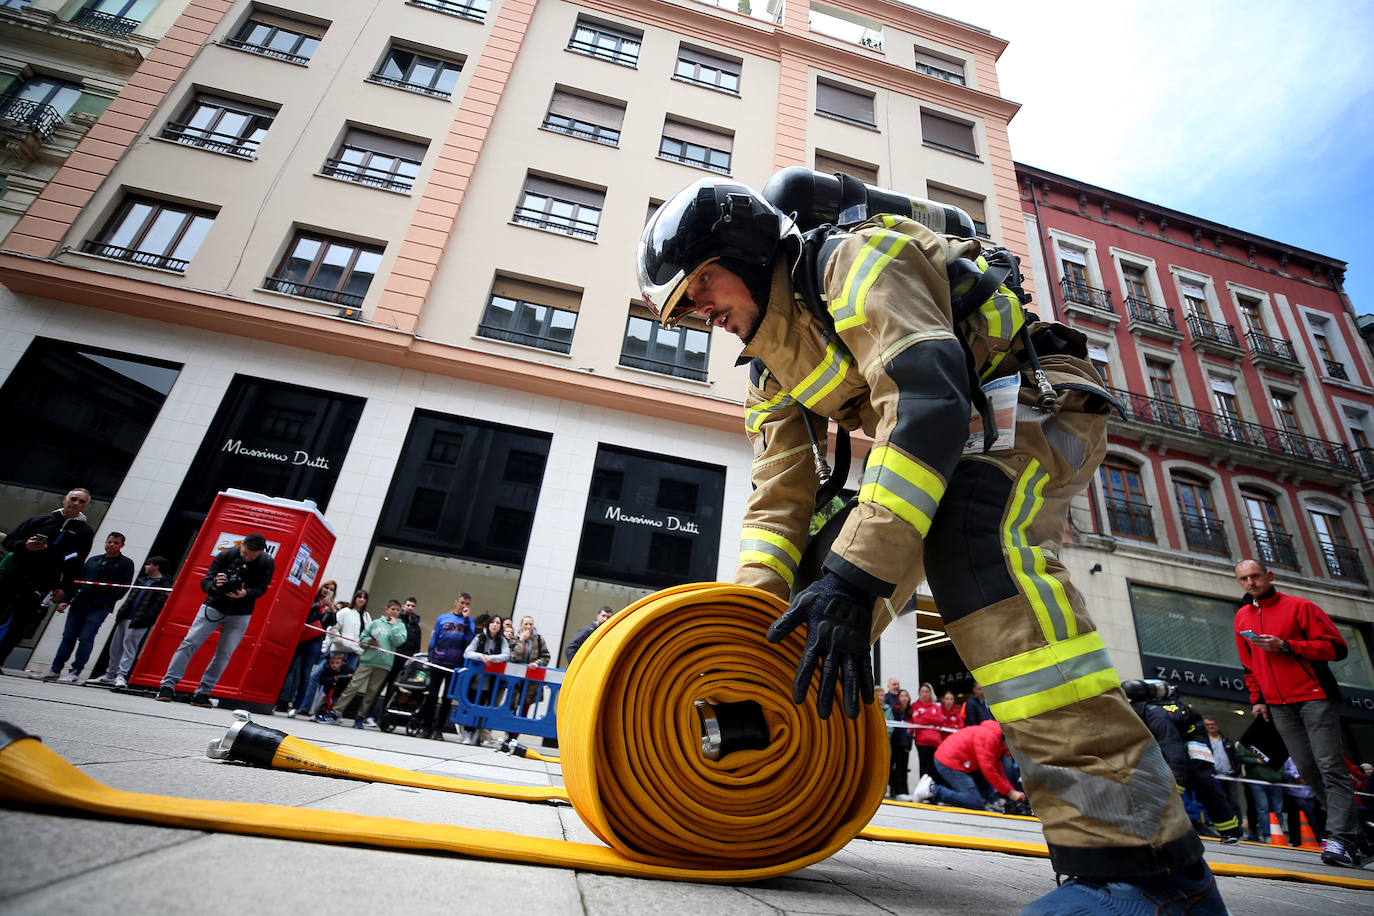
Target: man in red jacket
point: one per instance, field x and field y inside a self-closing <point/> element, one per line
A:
<point x="964" y="757"/>
<point x="1284" y="644"/>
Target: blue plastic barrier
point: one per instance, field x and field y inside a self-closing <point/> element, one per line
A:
<point x="492" y="696"/>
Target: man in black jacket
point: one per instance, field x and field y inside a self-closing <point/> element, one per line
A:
<point x="237" y="578"/>
<point x="576" y="642"/>
<point x="136" y="616"/>
<point x="89" y="607"/>
<point x="45" y="553"/>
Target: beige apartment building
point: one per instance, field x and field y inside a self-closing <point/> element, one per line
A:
<point x="379" y="254"/>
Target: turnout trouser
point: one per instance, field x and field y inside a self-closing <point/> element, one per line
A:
<point x="1094" y="774"/>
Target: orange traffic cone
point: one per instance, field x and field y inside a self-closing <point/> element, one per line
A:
<point x="1276" y="835"/>
<point x="1309" y="839"/>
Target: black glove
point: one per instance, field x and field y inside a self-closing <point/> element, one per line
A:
<point x="838" y="616"/>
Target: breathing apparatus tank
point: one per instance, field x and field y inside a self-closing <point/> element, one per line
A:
<point x="817" y="198"/>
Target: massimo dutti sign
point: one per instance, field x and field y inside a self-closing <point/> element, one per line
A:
<point x="668" y="522"/>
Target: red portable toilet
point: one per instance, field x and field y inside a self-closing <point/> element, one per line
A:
<point x="299" y="539"/>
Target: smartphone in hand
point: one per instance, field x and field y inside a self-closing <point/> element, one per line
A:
<point x="1249" y="634"/>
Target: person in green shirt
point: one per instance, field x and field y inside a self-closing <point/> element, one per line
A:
<point x="379" y="642"/>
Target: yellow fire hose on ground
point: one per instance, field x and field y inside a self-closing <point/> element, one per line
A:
<point x="637" y="768"/>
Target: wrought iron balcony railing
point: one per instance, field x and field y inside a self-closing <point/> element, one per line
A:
<point x="265" y="50"/>
<point x="359" y="174"/>
<point x="542" y="341"/>
<point x="475" y="11"/>
<point x="1221" y="428"/>
<point x="133" y="256"/>
<point x="1206" y="534"/>
<point x="1146" y="311"/>
<point x="292" y="288"/>
<point x="1273" y="347"/>
<point x="1336" y="370"/>
<point x="1131" y="519"/>
<point x="1343" y="562"/>
<point x="413" y="87"/>
<point x="539" y="219"/>
<point x="97" y="21"/>
<point x="616" y="55"/>
<point x="1082" y="293"/>
<point x="1275" y="548"/>
<point x="210" y="139"/>
<point x="1202" y="329"/>
<point x="25" y="116"/>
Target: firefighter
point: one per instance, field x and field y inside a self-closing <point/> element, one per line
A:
<point x="874" y="346"/>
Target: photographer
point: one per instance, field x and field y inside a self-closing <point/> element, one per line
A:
<point x="237" y="578"/>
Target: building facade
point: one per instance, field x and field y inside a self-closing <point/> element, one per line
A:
<point x="380" y="255"/>
<point x="1247" y="397"/>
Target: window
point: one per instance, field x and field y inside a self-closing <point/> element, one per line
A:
<point x="948" y="135"/>
<point x="221" y="125"/>
<point x="609" y="43"/>
<point x="681" y="351"/>
<point x="706" y="69"/>
<point x="1128" y="513"/>
<point x="1137" y="287"/>
<point x="1252" y="316"/>
<point x="584" y="117"/>
<point x="944" y="68"/>
<point x="14" y="4"/>
<point x="699" y="146"/>
<point x="329" y="269"/>
<point x="416" y="72"/>
<point x="1342" y="560"/>
<point x="831" y="164"/>
<point x="1224" y="396"/>
<point x="37" y="105"/>
<point x="1331" y="361"/>
<point x="273" y="35"/>
<point x="1286" y="411"/>
<point x="474" y="10"/>
<point x="1161" y="378"/>
<point x="1074" y="264"/>
<point x="1202" y="530"/>
<point x="376" y="159"/>
<point x="559" y="207"/>
<point x="1195" y="301"/>
<point x="530" y="314"/>
<point x="971" y="205"/>
<point x="1272" y="543"/>
<point x="1101" y="361"/>
<point x="852" y="105"/>
<point x="114" y="17"/>
<point x="152" y="233"/>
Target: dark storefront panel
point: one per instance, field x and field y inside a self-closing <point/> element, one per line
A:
<point x="266" y="437"/>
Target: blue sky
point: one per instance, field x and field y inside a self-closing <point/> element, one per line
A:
<point x="1256" y="115"/>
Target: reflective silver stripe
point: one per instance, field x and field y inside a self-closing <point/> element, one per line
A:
<point x="760" y="412"/>
<point x="1057" y="674"/>
<point x="900" y="487"/>
<point x="776" y="551"/>
<point x="1134" y="807"/>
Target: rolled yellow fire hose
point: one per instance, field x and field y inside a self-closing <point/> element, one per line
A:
<point x="632" y="759"/>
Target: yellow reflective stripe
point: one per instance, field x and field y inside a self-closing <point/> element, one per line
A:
<point x="826" y="377"/>
<point x="1047" y="678"/>
<point x="908" y="489"/>
<point x="878" y="251"/>
<point x="1044" y="592"/>
<point x="1005" y="318"/>
<point x="756" y="415"/>
<point x="768" y="548"/>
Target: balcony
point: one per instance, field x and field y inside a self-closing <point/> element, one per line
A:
<point x="1131" y="519"/>
<point x="1343" y="562"/>
<point x="475" y="11"/>
<point x="265" y="50"/>
<point x="1206" y="534"/>
<point x="376" y="178"/>
<point x="1272" y="353"/>
<point x="24" y="117"/>
<point x="1214" y="337"/>
<point x="324" y="294"/>
<point x="566" y="225"/>
<point x="1089" y="301"/>
<point x="104" y="22"/>
<point x="1336" y="370"/>
<point x="1275" y="548"/>
<point x="141" y="258"/>
<point x="1144" y="317"/>
<point x="1232" y="431"/>
<point x="233" y="144"/>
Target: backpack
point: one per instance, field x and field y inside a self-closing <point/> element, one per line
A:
<point x="449" y="643"/>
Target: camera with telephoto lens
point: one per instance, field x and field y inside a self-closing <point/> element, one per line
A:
<point x="232" y="583"/>
<point x="1148" y="690"/>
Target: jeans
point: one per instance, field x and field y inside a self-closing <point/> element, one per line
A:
<point x="1312" y="733"/>
<point x="79" y="633"/>
<point x="963" y="790"/>
<point x="1268" y="800"/>
<point x="231" y="629"/>
<point x="312" y="683"/>
<point x="124" y="645"/>
<point x="297" y="679"/>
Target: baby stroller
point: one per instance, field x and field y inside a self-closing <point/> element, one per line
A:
<point x="407" y="698"/>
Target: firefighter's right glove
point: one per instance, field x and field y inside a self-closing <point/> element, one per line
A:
<point x="838" y="617"/>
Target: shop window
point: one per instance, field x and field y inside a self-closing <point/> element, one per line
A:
<point x="947" y="134"/>
<point x="845" y="103"/>
<point x="378" y="160"/>
<point x="702" y="147"/>
<point x="416" y="72"/>
<point x="471" y="10"/>
<point x="324" y="268"/>
<point x="584" y="117"/>
<point x="221" y="125"/>
<point x="605" y="42"/>
<point x="557" y="206"/>
<point x="1128" y="512"/>
<point x="274" y="35"/>
<point x="682" y="351"/>
<point x="705" y="69"/>
<point x="531" y="314"/>
<point x="152" y="233"/>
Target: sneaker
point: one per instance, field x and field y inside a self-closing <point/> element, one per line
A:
<point x="165" y="695"/>
<point x="103" y="681"/>
<point x="369" y="722"/>
<point x="1231" y="839"/>
<point x="357" y="723"/>
<point x="202" y="700"/>
<point x="996" y="806"/>
<point x="120" y="683"/>
<point x="326" y="718"/>
<point x="71" y="677"/>
<point x="901" y="798"/>
<point x="923" y="791"/>
<point x="1175" y="894"/>
<point x="292" y="712"/>
<point x="49" y="675"/>
<point x="1338" y="852"/>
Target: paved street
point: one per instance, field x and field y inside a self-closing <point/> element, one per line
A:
<point x="56" y="863"/>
